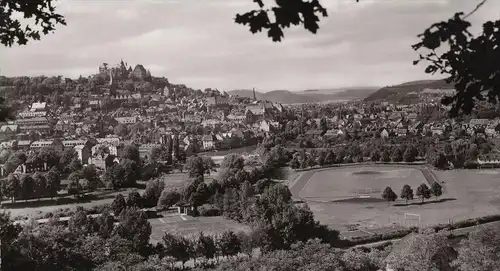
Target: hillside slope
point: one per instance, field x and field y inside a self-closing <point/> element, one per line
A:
<point x="397" y="92"/>
<point x="307" y="96"/>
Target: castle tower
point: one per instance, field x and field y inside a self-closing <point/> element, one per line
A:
<point x="112" y="84"/>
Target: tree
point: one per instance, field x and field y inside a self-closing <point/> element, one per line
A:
<point x="423" y="192"/>
<point x="436" y="189"/>
<point x="423" y="252"/>
<point x="410" y="154"/>
<point x="118" y="204"/>
<point x="134" y="226"/>
<point x="121" y="130"/>
<point x="40" y="185"/>
<point x="389" y="195"/>
<point x="11" y="187"/>
<point x="468" y="61"/>
<point x="205" y="246"/>
<point x="406" y="193"/>
<point x="66" y="158"/>
<point x="177" y="247"/>
<point x="114" y="176"/>
<point x="209" y="165"/>
<point x="53" y="182"/>
<point x="131" y="172"/>
<point x="134" y="199"/>
<point x="153" y="192"/>
<point x="439" y="160"/>
<point x="168" y="198"/>
<point x="131" y="152"/>
<point x="295" y="162"/>
<point x="74" y="165"/>
<point x="195" y="166"/>
<point x="480" y="251"/>
<point x="74" y="187"/>
<point x="43" y="13"/>
<point x="396" y="156"/>
<point x="375" y="155"/>
<point x="233" y="161"/>
<point x="386" y="156"/>
<point x="105" y="224"/>
<point x="27" y="187"/>
<point x="228" y="244"/>
<point x="89" y="173"/>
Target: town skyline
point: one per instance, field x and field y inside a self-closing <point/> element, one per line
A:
<point x="207" y="49"/>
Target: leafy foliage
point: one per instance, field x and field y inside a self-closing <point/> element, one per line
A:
<point x="436" y="189"/>
<point x="406" y="193"/>
<point x="284" y="15"/>
<point x="12" y="30"/>
<point x="423" y="192"/>
<point x="389" y="195"/>
<point x="470" y="62"/>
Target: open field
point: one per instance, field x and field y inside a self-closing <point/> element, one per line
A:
<point x="347" y="182"/>
<point x="467" y="194"/>
<point x="192" y="225"/>
<point x="34" y="208"/>
<point x="39" y="207"/>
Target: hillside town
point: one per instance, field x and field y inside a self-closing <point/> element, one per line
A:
<point x="119" y="106"/>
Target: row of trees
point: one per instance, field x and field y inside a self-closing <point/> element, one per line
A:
<point x="423" y="192"/>
<point x="27" y="186"/>
<point x="303" y="159"/>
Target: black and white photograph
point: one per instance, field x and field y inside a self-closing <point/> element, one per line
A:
<point x="249" y="135"/>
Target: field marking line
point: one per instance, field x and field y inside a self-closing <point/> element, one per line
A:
<point x="305" y="185"/>
<point x="183" y="217"/>
<point x="365" y="231"/>
<point x="162" y="221"/>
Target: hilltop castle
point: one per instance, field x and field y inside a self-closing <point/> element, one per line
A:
<point x="123" y="71"/>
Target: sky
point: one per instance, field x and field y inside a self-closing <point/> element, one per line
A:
<point x="197" y="43"/>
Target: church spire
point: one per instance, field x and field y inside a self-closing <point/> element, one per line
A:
<point x="254" y="97"/>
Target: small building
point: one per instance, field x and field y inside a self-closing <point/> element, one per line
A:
<point x="209" y="142"/>
<point x="83" y="153"/>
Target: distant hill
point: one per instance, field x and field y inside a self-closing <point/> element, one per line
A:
<point x="307" y="96"/>
<point x="398" y="92"/>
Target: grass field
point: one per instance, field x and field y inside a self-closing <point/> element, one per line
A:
<point x="467" y="194"/>
<point x="34" y="208"/>
<point x="192" y="226"/>
<point x="344" y="183"/>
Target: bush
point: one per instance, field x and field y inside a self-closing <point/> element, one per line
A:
<point x="209" y="210"/>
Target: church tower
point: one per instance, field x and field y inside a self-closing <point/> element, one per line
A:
<point x="254" y="97"/>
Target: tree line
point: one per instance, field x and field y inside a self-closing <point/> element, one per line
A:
<point x="423" y="192"/>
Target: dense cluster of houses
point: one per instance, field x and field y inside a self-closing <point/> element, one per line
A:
<point x="98" y="125"/>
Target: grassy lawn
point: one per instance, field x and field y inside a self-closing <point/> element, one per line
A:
<point x="192" y="226"/>
<point x="467" y="194"/>
<point x="33" y="208"/>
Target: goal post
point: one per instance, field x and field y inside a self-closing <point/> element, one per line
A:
<point x="364" y="192"/>
<point x="412" y="220"/>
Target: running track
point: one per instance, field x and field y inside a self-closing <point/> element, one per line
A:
<point x="304" y="177"/>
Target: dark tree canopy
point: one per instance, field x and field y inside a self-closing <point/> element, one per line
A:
<point x="12" y="30"/>
<point x="471" y="63"/>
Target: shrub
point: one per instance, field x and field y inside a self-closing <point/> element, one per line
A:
<point x="209" y="210"/>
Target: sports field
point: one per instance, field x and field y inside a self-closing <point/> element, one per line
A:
<point x="467" y="194"/>
<point x="364" y="181"/>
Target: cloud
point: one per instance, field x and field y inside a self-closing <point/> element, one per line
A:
<point x="198" y="44"/>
